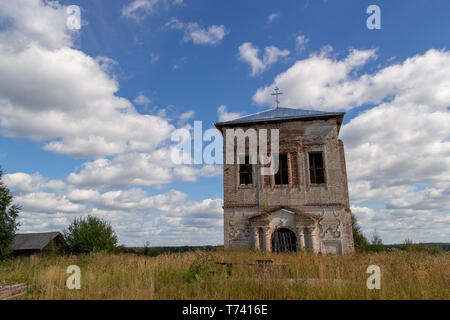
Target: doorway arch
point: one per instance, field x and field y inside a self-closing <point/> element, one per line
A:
<point x="284" y="240"/>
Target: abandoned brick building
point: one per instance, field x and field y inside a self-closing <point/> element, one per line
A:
<point x="305" y="205"/>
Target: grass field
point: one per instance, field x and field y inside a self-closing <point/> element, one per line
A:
<point x="193" y="275"/>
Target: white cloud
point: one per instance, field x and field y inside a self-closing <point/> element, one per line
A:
<point x="273" y="17"/>
<point x="137" y="169"/>
<point x="399" y="155"/>
<point x="196" y="34"/>
<point x="320" y="82"/>
<point x="187" y="115"/>
<point x="250" y="54"/>
<point x="224" y="115"/>
<point x="33" y="21"/>
<point x="300" y="43"/>
<point x="394" y="226"/>
<point x="397" y="151"/>
<point x="45" y="202"/>
<point x="142" y="100"/>
<point x="51" y="92"/>
<point x="54" y="93"/>
<point x="175" y="24"/>
<point x="164" y="219"/>
<point x="184" y="118"/>
<point x="396" y="143"/>
<point x="139" y="9"/>
<point x="26" y="183"/>
<point x="325" y="83"/>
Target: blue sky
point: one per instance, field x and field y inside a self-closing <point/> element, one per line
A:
<point x="68" y="147"/>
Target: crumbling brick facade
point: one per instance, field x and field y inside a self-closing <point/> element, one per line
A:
<point x="317" y="214"/>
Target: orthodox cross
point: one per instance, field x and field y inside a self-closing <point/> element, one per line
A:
<point x="276" y="94"/>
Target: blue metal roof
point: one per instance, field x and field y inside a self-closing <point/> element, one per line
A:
<point x="280" y="114"/>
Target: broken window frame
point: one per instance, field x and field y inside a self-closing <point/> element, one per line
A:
<point x="282" y="176"/>
<point x="317" y="172"/>
<point x="246" y="173"/>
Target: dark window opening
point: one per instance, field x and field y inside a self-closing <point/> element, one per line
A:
<point x="282" y="176"/>
<point x="316" y="168"/>
<point x="284" y="240"/>
<point x="245" y="172"/>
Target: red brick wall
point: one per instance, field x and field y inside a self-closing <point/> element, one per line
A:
<point x="294" y="175"/>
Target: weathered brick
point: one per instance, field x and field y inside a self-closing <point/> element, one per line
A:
<point x="319" y="215"/>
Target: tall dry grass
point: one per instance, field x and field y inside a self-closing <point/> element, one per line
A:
<point x="405" y="275"/>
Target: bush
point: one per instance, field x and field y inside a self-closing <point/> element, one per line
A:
<point x="360" y="241"/>
<point x="89" y="234"/>
<point x="409" y="245"/>
<point x="8" y="216"/>
<point x="376" y="245"/>
<point x="201" y="267"/>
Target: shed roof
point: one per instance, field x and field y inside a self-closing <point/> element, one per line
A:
<point x="279" y="114"/>
<point x="33" y="241"/>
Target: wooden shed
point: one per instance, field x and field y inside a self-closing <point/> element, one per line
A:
<point x="30" y="243"/>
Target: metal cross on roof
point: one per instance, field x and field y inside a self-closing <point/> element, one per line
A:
<point x="276" y="94"/>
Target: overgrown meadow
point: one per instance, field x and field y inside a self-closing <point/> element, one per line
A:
<point x="194" y="275"/>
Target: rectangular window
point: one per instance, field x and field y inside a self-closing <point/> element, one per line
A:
<point x="316" y="168"/>
<point x="282" y="176"/>
<point x="245" y="172"/>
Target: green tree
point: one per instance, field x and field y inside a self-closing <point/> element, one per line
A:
<point x="8" y="216"/>
<point x="360" y="241"/>
<point x="376" y="244"/>
<point x="89" y="234"/>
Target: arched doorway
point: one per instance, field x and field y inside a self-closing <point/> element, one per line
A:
<point x="284" y="240"/>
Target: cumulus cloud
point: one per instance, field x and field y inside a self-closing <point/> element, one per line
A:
<point x="326" y="83"/>
<point x="398" y="149"/>
<point x="250" y="54"/>
<point x="197" y="34"/>
<point x="398" y="152"/>
<point x="321" y="82"/>
<point x="44" y="202"/>
<point x="138" y="169"/>
<point x="164" y="219"/>
<point x="54" y="93"/>
<point x="224" y="115"/>
<point x="26" y="183"/>
<point x="397" y="144"/>
<point x="36" y="21"/>
<point x="398" y="155"/>
<point x="394" y="226"/>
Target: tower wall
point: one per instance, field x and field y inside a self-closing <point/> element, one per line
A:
<point x="328" y="203"/>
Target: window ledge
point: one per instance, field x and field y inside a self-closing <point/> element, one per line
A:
<point x="245" y="186"/>
<point x="318" y="185"/>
